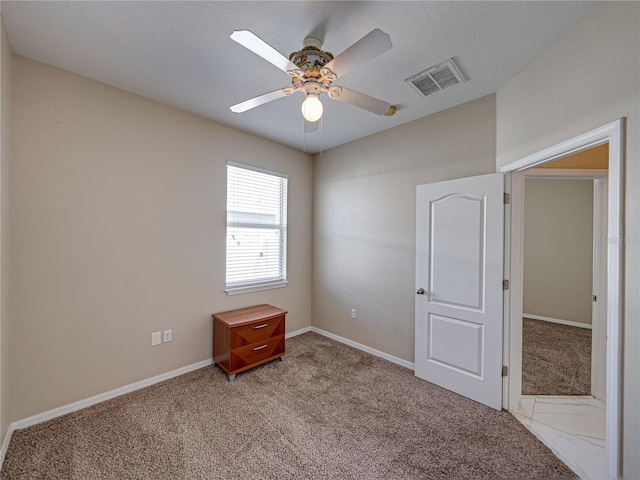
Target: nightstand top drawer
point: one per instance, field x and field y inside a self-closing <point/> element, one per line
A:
<point x="256" y="331"/>
<point x="244" y="316"/>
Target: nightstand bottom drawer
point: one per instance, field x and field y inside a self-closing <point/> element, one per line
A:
<point x="256" y="353"/>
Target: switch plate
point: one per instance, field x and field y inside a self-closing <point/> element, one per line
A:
<point x="353" y="313"/>
<point x="167" y="336"/>
<point x="156" y="338"/>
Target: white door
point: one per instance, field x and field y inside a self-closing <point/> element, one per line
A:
<point x="459" y="259"/>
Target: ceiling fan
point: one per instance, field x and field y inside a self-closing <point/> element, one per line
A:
<point x="313" y="72"/>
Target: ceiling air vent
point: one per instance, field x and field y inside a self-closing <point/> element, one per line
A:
<point x="435" y="79"/>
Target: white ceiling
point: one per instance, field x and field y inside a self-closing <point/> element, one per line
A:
<point x="180" y="53"/>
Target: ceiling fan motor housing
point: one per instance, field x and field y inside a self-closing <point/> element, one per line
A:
<point x="310" y="60"/>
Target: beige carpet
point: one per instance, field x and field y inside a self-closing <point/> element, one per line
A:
<point x="327" y="411"/>
<point x="556" y="359"/>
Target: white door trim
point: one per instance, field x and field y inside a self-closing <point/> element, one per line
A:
<point x="599" y="307"/>
<point x="560" y="173"/>
<point x="612" y="134"/>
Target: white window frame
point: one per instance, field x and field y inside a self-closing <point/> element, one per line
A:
<point x="257" y="285"/>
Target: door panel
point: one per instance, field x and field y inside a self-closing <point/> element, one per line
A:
<point x="456" y="251"/>
<point x="459" y="257"/>
<point x="444" y="331"/>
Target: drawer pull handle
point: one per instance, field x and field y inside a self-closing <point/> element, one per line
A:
<point x="260" y="347"/>
<point x="260" y="326"/>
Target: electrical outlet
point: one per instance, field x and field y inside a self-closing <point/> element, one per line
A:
<point x="353" y="313"/>
<point x="167" y="336"/>
<point x="156" y="338"/>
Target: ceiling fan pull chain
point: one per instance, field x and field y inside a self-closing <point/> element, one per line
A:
<point x="304" y="137"/>
<point x="320" y="136"/>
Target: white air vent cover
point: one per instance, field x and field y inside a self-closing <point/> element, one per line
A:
<point x="435" y="79"/>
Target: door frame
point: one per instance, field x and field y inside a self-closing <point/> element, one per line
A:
<point x="598" y="333"/>
<point x="613" y="134"/>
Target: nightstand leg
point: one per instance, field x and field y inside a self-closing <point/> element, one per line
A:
<point x="231" y="377"/>
<point x="282" y="358"/>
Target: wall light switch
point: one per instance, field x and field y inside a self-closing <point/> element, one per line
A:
<point x="156" y="338"/>
<point x="167" y="336"/>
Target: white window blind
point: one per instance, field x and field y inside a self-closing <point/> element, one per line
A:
<point x="256" y="229"/>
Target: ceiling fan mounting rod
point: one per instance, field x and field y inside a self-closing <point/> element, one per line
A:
<point x="312" y="42"/>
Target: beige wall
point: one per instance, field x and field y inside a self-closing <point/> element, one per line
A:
<point x="118" y="222"/>
<point x="119" y="231"/>
<point x="365" y="215"/>
<point x="6" y="58"/>
<point x="590" y="77"/>
<point x="558" y="249"/>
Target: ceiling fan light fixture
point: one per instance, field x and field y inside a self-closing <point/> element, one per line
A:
<point x="312" y="108"/>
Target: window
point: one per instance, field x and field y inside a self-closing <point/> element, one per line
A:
<point x="256" y="229"/>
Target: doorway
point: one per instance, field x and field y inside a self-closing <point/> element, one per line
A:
<point x="564" y="270"/>
<point x="612" y="136"/>
<point x="563" y="342"/>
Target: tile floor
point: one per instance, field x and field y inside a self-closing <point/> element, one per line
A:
<point x="572" y="427"/>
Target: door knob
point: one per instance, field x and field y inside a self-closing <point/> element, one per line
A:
<point x="420" y="291"/>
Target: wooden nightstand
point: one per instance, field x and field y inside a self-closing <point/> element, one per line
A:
<point x="245" y="338"/>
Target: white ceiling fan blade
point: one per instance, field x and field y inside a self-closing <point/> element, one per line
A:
<point x="360" y="100"/>
<point x="371" y="45"/>
<point x="258" y="46"/>
<point x="257" y="101"/>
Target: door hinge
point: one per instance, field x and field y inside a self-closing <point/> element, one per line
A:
<point x="505" y="284"/>
<point x="594" y="298"/>
<point x="505" y="370"/>
<point x="506" y="198"/>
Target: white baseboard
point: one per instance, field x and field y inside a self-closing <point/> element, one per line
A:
<point x="72" y="407"/>
<point x="364" y="348"/>
<point x="298" y="332"/>
<point x="557" y="320"/>
<point x="5" y="444"/>
<point x="75" y="406"/>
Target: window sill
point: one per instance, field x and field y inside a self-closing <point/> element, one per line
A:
<point x="255" y="288"/>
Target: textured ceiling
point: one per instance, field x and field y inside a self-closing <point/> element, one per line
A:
<point x="180" y="53"/>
